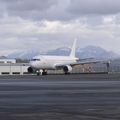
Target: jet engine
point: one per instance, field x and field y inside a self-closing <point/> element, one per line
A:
<point x="30" y="70"/>
<point x="67" y="69"/>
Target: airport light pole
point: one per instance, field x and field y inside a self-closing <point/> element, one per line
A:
<point x="108" y="66"/>
<point x="10" y="70"/>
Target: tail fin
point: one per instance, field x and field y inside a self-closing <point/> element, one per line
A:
<point x="72" y="54"/>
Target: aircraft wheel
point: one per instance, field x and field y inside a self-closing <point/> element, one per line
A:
<point x="67" y="73"/>
<point x="44" y="73"/>
<point x="38" y="73"/>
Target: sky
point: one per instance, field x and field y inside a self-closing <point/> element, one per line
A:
<point x="43" y="25"/>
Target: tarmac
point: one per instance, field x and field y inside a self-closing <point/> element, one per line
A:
<point x="60" y="97"/>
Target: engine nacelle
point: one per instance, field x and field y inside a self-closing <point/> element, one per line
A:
<point x="67" y="69"/>
<point x="30" y="70"/>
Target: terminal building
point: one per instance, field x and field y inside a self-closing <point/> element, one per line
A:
<point x="10" y="67"/>
<point x="3" y="60"/>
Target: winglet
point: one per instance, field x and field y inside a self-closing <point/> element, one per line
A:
<point x="72" y="54"/>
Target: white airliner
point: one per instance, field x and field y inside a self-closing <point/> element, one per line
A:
<point x="41" y="63"/>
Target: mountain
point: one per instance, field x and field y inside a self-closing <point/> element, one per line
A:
<point x="23" y="54"/>
<point x="3" y="57"/>
<point x="59" y="51"/>
<point x="86" y="52"/>
<point x="95" y="52"/>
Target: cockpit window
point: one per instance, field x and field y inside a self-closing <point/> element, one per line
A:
<point x="35" y="60"/>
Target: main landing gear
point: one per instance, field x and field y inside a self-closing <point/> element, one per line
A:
<point x="41" y="72"/>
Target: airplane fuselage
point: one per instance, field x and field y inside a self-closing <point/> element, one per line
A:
<point x="50" y="62"/>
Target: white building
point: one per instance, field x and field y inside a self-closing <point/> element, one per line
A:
<point x="7" y="60"/>
<point x="13" y="68"/>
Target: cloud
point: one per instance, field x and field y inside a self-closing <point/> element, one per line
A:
<point x="58" y="9"/>
<point x="48" y="24"/>
<point x="28" y="5"/>
<point x="20" y="34"/>
<point x="94" y="7"/>
<point x="27" y="9"/>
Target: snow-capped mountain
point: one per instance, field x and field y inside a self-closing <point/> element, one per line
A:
<point x="86" y="52"/>
<point x="59" y="51"/>
<point x="95" y="52"/>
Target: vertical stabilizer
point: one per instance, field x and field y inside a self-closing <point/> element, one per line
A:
<point x="72" y="54"/>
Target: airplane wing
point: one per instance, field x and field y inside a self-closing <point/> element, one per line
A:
<point x="92" y="61"/>
<point x="82" y="62"/>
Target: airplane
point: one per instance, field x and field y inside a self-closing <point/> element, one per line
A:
<point x="41" y="63"/>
